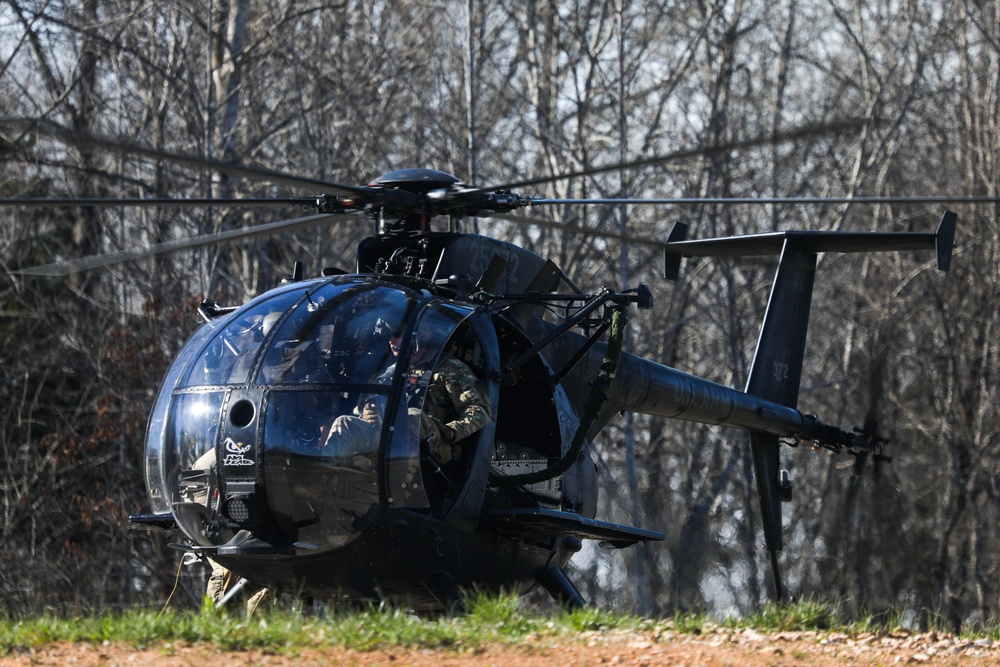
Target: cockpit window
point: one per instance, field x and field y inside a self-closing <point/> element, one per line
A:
<point x="336" y="335"/>
<point x="230" y="356"/>
<point x="421" y="355"/>
<point x="322" y="466"/>
<point x="157" y="458"/>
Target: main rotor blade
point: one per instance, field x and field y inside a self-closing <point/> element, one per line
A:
<point x="99" y="202"/>
<point x="803" y="132"/>
<point x="679" y="201"/>
<point x="583" y="231"/>
<point x="77" y="139"/>
<point x="110" y="259"/>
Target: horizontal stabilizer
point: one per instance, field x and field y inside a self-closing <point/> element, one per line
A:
<point x="772" y="243"/>
<point x="946" y="239"/>
<point x="672" y="261"/>
<point x="555" y="523"/>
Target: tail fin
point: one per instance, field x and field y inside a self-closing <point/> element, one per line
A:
<point x="775" y="374"/>
<point x="777" y="365"/>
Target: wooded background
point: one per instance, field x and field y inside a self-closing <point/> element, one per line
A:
<point x="496" y="92"/>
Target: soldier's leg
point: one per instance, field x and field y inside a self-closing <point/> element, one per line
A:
<point x="256" y="600"/>
<point x="218" y="581"/>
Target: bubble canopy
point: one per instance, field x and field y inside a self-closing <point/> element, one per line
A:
<point x="290" y="417"/>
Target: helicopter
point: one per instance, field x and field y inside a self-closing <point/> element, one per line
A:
<point x="240" y="451"/>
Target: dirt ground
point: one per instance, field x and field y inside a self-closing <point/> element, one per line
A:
<point x="714" y="648"/>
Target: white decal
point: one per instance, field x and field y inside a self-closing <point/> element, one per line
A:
<point x="235" y="455"/>
<point x="235" y="447"/>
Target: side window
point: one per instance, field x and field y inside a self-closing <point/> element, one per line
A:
<point x="466" y="346"/>
<point x="419" y="419"/>
<point x="230" y="356"/>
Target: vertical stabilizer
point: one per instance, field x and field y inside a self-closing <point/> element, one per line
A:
<point x="777" y="364"/>
<point x="775" y="375"/>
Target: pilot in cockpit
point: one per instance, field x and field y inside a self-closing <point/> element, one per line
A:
<point x="454" y="408"/>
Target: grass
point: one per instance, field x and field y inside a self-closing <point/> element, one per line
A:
<point x="489" y="620"/>
<point x="804" y="615"/>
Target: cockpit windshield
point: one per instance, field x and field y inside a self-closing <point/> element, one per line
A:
<point x="281" y="411"/>
<point x="337" y="335"/>
<point x="233" y="352"/>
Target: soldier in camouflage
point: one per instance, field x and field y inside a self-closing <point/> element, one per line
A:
<point x="454" y="407"/>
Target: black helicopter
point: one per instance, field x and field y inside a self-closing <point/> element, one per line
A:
<point x="238" y="450"/>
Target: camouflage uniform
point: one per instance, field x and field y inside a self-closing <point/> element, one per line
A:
<point x="219" y="582"/>
<point x="455" y="407"/>
<point x="353" y="440"/>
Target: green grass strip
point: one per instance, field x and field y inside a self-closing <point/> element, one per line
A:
<point x="488" y="621"/>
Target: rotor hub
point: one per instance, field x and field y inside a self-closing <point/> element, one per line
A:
<point x="415" y="180"/>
